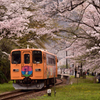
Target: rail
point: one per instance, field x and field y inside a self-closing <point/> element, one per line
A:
<point x="13" y="94"/>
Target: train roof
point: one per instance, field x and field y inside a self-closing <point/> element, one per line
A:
<point x="33" y="49"/>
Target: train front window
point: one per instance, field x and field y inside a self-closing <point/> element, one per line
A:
<point x="37" y="57"/>
<point x="26" y="58"/>
<point x="16" y="57"/>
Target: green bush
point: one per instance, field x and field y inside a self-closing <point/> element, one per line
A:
<point x="4" y="68"/>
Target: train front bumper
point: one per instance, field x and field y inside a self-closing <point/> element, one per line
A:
<point x="32" y="87"/>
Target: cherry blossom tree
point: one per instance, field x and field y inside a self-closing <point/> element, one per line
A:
<point x="83" y="28"/>
<point x="74" y="21"/>
<point x="86" y="33"/>
<point x="24" y="22"/>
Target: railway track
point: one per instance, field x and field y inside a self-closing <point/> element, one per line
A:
<point x="16" y="94"/>
<point x="13" y="94"/>
<point x="61" y="81"/>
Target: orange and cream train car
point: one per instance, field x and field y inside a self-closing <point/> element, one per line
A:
<point x="32" y="68"/>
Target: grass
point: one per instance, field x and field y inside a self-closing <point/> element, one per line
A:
<point x="6" y="87"/>
<point x="83" y="89"/>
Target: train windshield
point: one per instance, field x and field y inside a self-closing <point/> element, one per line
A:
<point x="37" y="57"/>
<point x="16" y="57"/>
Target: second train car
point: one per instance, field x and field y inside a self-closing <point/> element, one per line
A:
<point x="32" y="68"/>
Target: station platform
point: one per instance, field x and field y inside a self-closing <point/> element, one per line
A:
<point x="64" y="76"/>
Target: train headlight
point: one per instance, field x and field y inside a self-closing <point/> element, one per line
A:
<point x="15" y="70"/>
<point x="37" y="70"/>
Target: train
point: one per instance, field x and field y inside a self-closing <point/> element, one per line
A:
<point x="32" y="68"/>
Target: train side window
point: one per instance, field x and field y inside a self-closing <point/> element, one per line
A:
<point x="37" y="57"/>
<point x="26" y="58"/>
<point x="50" y="59"/>
<point x="16" y="57"/>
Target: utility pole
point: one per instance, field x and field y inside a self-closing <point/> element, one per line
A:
<point x="54" y="71"/>
<point x="54" y="86"/>
<point x="66" y="61"/>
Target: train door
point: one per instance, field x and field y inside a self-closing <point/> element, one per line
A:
<point x="27" y="70"/>
<point x="45" y="66"/>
